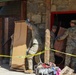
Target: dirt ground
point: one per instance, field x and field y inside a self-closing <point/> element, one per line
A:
<point x="5" y="70"/>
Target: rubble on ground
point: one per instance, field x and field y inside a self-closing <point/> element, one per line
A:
<point x="52" y="69"/>
<point x="67" y="71"/>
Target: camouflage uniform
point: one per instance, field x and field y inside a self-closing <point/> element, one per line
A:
<point x="52" y="40"/>
<point x="71" y="44"/>
<point x="36" y="47"/>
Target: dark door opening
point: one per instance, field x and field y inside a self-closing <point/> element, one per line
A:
<point x="61" y="19"/>
<point x="64" y="19"/>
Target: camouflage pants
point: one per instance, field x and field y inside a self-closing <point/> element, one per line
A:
<point x="68" y="59"/>
<point x="33" y="50"/>
<point x="73" y="59"/>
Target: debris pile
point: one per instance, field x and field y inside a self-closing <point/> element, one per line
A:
<point x="52" y="69"/>
<point x="67" y="71"/>
<point x="47" y="69"/>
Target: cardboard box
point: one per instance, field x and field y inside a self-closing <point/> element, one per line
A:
<point x="19" y="45"/>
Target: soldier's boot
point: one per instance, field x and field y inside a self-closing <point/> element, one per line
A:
<point x="30" y="66"/>
<point x="67" y="60"/>
<point x="29" y="71"/>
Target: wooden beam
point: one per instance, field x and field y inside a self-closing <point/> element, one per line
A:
<point x="6" y="35"/>
<point x="47" y="32"/>
<point x="1" y="39"/>
<point x="23" y="9"/>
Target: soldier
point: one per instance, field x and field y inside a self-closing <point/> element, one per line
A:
<point x="36" y="46"/>
<point x="70" y="34"/>
<point x="52" y="40"/>
<point x="52" y="34"/>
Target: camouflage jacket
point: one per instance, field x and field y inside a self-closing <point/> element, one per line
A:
<point x="36" y="36"/>
<point x="70" y="34"/>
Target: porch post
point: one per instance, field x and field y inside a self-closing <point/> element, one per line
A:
<point x="47" y="32"/>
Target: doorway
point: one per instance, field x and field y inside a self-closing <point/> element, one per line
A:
<point x="61" y="19"/>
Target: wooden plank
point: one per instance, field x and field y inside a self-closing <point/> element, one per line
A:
<point x="6" y="36"/>
<point x="19" y="44"/>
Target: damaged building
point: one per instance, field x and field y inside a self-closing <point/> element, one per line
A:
<point x="44" y="13"/>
